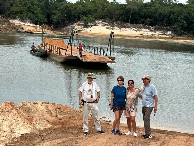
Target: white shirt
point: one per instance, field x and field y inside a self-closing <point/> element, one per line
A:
<point x="88" y="91"/>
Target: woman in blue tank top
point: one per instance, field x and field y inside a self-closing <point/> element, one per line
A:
<point x="118" y="100"/>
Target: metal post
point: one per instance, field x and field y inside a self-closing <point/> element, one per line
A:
<point x="71" y="40"/>
<point x="110" y="40"/>
<point x="42" y="34"/>
<point x="113" y="42"/>
<point x="71" y="46"/>
<point x="110" y="45"/>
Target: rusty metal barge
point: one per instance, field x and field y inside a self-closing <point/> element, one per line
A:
<point x="59" y="51"/>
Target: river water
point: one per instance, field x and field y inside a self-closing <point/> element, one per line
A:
<point x="24" y="77"/>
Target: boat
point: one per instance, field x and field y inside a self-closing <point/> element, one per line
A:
<point x="57" y="50"/>
<point x="39" y="53"/>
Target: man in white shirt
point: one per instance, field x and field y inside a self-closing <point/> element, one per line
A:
<point x="90" y="101"/>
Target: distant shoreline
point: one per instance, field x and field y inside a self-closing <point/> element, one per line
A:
<point x="104" y="29"/>
<point x="178" y="40"/>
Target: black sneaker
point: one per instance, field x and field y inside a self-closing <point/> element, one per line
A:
<point x="113" y="131"/>
<point x="147" y="136"/>
<point x="85" y="133"/>
<point x="143" y="135"/>
<point x="101" y="132"/>
<point x="118" y="132"/>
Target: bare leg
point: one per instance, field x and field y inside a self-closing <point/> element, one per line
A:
<point x="129" y="123"/>
<point x="133" y="123"/>
<point x="116" y="119"/>
<point x="116" y="122"/>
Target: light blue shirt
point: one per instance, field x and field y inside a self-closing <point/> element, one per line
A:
<point x="148" y="96"/>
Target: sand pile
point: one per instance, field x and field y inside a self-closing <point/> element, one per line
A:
<point x="30" y="117"/>
<point x="49" y="124"/>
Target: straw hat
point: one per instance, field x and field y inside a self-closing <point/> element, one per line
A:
<point x="91" y="75"/>
<point x="146" y="77"/>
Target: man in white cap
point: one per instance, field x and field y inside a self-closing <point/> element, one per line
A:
<point x="149" y="101"/>
<point x="90" y="101"/>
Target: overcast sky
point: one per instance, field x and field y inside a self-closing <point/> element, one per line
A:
<point x="123" y="1"/>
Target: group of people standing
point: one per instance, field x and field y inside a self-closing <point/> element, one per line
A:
<point x="122" y="99"/>
<point x="127" y="99"/>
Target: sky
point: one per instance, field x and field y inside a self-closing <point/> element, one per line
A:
<point x="123" y="1"/>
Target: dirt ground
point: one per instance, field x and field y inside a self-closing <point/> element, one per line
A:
<point x="66" y="129"/>
<point x="68" y="135"/>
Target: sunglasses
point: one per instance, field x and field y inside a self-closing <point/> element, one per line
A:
<point x="130" y="83"/>
<point x="145" y="79"/>
<point x="119" y="80"/>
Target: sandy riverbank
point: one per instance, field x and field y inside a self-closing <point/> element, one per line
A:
<point x="103" y="29"/>
<point x="49" y="124"/>
<point x="130" y="32"/>
<point x="31" y="28"/>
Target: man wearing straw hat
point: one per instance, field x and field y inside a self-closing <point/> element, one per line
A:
<point x="149" y="102"/>
<point x="90" y="101"/>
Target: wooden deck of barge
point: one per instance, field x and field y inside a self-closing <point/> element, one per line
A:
<point x="60" y="52"/>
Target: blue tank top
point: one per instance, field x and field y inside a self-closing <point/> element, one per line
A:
<point x="119" y="95"/>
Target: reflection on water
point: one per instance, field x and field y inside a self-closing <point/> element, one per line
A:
<point x="159" y="45"/>
<point x="25" y="77"/>
<point x="7" y="39"/>
<point x="89" y="67"/>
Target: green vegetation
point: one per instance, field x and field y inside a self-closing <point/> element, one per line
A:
<point x="159" y="13"/>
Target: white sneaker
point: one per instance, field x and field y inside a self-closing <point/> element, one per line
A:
<point x="128" y="133"/>
<point x="135" y="134"/>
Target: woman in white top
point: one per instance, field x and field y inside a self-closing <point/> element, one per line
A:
<point x="131" y="107"/>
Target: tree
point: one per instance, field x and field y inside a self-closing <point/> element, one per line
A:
<point x="132" y="6"/>
<point x="190" y="2"/>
